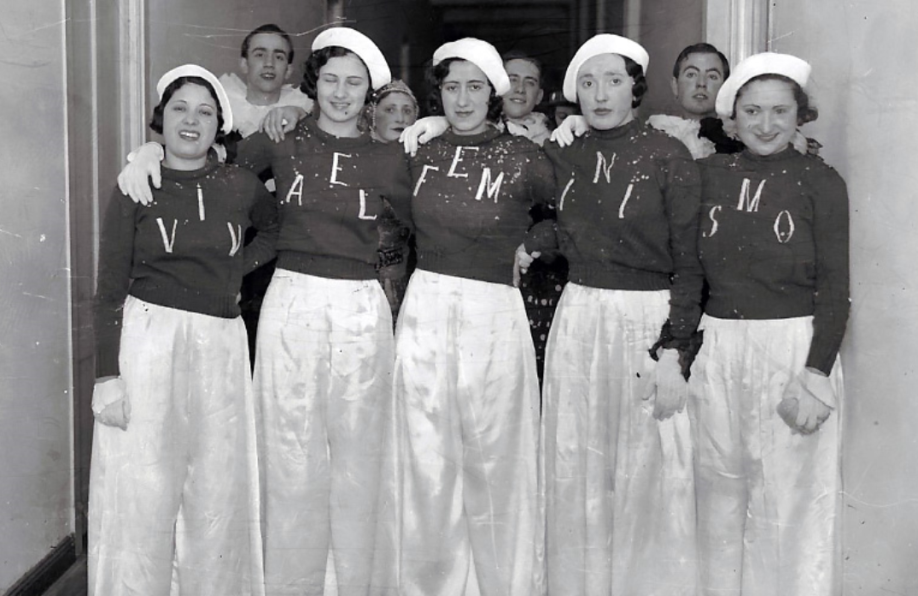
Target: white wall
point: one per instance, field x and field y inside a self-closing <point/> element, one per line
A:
<point x="210" y="32"/>
<point x="864" y="55"/>
<point x="664" y="28"/>
<point x="36" y="502"/>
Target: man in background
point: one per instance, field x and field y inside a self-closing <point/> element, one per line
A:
<point x="698" y="73"/>
<point x="525" y="94"/>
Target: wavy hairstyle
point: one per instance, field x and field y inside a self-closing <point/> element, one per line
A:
<point x="436" y="75"/>
<point x="805" y="111"/>
<point x="156" y="122"/>
<point x="320" y="58"/>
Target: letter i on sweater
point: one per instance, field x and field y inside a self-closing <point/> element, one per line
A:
<point x="182" y="251"/>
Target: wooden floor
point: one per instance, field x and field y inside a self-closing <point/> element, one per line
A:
<point x="72" y="583"/>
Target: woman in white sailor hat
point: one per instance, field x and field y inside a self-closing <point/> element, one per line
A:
<point x="466" y="386"/>
<point x="325" y="349"/>
<point x="616" y="441"/>
<point x="173" y="502"/>
<point x="766" y="398"/>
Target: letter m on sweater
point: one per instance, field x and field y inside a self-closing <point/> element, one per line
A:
<point x="493" y="189"/>
<point x="745" y="203"/>
<point x="603" y="167"/>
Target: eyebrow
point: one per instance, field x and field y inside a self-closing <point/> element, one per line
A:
<point x="469" y="81"/>
<point x="695" y="68"/>
<point x="756" y="105"/>
<point x="606" y="73"/>
<point x="264" y="49"/>
<point x="185" y="101"/>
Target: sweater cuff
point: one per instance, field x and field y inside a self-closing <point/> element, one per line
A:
<point x="107" y="361"/>
<point x="821" y="358"/>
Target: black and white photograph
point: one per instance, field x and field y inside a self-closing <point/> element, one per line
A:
<point x="458" y="298"/>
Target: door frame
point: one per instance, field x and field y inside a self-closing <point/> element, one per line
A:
<point x="738" y="28"/>
<point x="106" y="97"/>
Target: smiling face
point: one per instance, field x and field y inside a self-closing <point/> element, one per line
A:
<point x="700" y="78"/>
<point x="525" y="89"/>
<point x="189" y="127"/>
<point x="394" y="113"/>
<point x="341" y="90"/>
<point x="266" y="67"/>
<point x="604" y="89"/>
<point x="465" y="92"/>
<point x="766" y="116"/>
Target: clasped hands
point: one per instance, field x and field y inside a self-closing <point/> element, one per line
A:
<point x="807" y="402"/>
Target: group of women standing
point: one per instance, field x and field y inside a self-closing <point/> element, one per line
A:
<point x="420" y="462"/>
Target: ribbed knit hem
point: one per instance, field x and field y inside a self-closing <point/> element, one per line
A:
<point x="610" y="277"/>
<point x="822" y="353"/>
<point x="750" y="309"/>
<point x="215" y="305"/>
<point x="500" y="272"/>
<point x="328" y="267"/>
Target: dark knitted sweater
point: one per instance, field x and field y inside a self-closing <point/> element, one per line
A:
<point x="184" y="251"/>
<point x="330" y="191"/>
<point x="774" y="243"/>
<point x="471" y="203"/>
<point x="627" y="208"/>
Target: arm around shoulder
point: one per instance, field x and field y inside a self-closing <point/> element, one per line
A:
<point x="142" y="172"/>
<point x="266" y="221"/>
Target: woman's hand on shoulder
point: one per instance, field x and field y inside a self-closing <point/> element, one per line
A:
<point x="281" y="120"/>
<point x="142" y="170"/>
<point x="421" y="132"/>
<point x="571" y="127"/>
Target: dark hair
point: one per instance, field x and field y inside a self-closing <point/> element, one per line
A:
<point x="518" y="55"/>
<point x="636" y="72"/>
<point x="435" y="76"/>
<point x="805" y="112"/>
<point x="320" y="58"/>
<point x="156" y="122"/>
<point x="269" y="28"/>
<point x="700" y="48"/>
